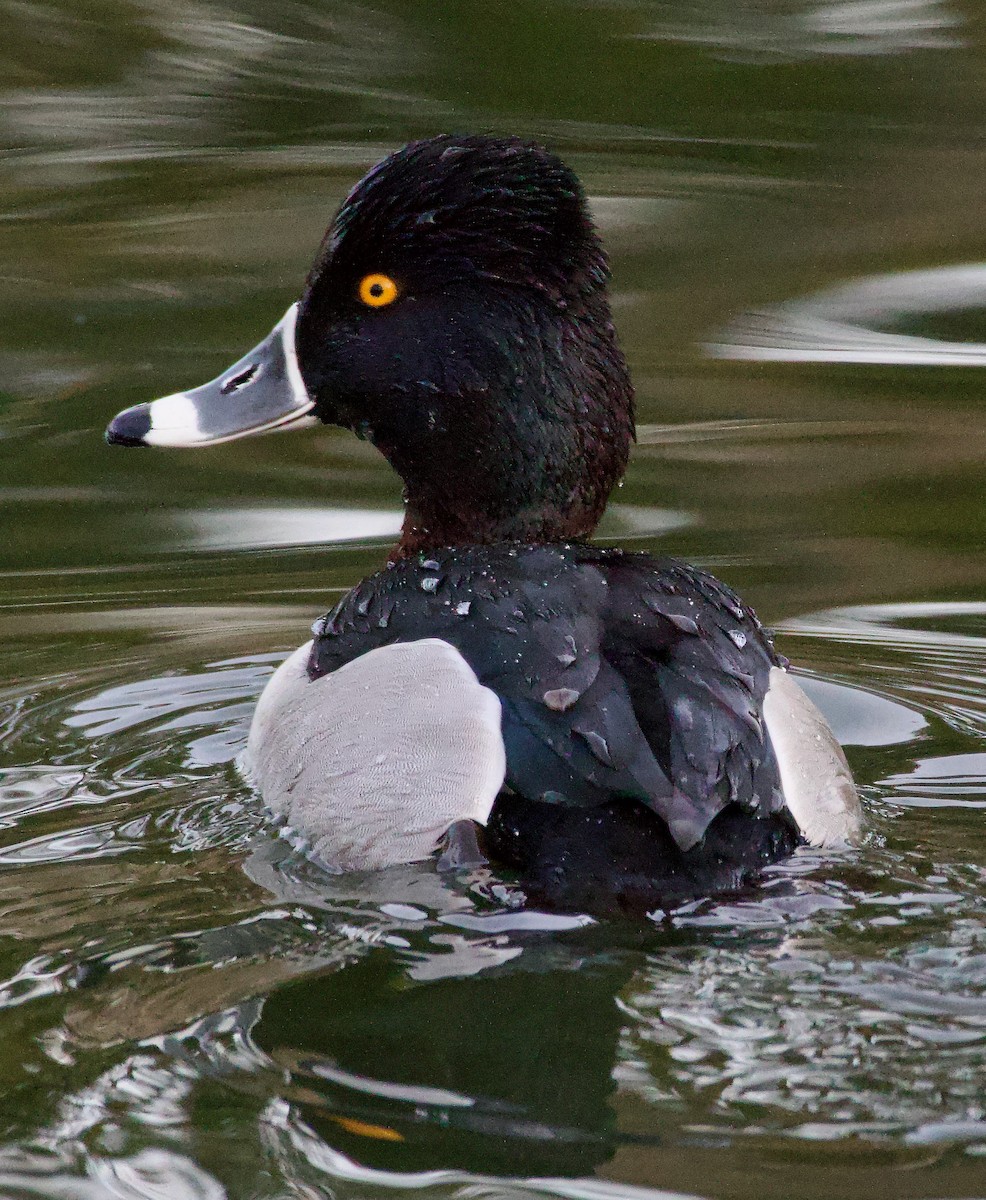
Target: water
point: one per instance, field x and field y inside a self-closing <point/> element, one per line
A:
<point x="188" y="1007"/>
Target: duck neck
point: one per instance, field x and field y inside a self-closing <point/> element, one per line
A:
<point x="536" y="466"/>
<point x="442" y="517"/>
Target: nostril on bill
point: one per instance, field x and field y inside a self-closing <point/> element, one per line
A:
<point x="240" y="379"/>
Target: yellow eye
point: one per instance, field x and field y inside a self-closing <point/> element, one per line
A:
<point x="377" y="290"/>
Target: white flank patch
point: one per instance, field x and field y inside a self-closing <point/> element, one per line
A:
<point x="174" y="421"/>
<point x="815" y="777"/>
<point x="372" y="763"/>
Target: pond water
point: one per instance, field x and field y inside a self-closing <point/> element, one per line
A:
<point x="792" y="195"/>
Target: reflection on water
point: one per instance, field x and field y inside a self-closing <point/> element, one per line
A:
<point x="859" y="718"/>
<point x="849" y="324"/>
<point x="938" y="782"/>
<point x="857" y="27"/>
<point x="189" y="1006"/>
<point x="399" y="1028"/>
<point x="946" y="642"/>
<point x="249" y="528"/>
<point x="543" y="1113"/>
<point x="167" y="75"/>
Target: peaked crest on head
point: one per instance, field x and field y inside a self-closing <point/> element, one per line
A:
<point x="479" y="207"/>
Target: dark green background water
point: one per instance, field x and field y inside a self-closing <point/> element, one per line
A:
<point x="189" y="1008"/>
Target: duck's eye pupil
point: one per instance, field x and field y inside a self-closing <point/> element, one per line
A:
<point x="377" y="290"/>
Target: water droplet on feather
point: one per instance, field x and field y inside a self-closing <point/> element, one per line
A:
<point x="738" y="637"/>
<point x="684" y="713"/>
<point x="430" y="584"/>
<point x="560" y="699"/>
<point x="597" y="744"/>
<point x="551" y="796"/>
<point x="570" y="653"/>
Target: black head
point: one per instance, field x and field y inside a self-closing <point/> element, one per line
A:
<point x="457" y="316"/>
<point x="485" y="367"/>
<point x="467" y="209"/>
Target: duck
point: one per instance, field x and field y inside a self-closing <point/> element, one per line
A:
<point x="608" y="729"/>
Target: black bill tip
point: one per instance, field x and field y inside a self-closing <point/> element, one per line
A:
<point x="130" y="428"/>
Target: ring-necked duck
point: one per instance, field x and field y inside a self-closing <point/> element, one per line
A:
<point x="615" y="728"/>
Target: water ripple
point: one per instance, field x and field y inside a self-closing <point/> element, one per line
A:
<point x="854" y="323"/>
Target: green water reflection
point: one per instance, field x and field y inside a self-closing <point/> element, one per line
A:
<point x="185" y="1006"/>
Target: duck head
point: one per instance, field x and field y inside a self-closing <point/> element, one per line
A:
<point x="456" y="315"/>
